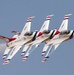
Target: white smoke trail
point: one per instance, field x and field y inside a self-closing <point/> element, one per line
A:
<point x="2" y="47"/>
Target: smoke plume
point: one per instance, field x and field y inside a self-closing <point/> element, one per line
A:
<point x="2" y="47"/>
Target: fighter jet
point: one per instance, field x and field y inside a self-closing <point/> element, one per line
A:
<point x="43" y="34"/>
<point x="16" y="43"/>
<point x="40" y="35"/>
<point x="63" y="35"/>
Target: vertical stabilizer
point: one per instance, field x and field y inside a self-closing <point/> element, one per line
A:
<point x="27" y="26"/>
<point x="45" y="25"/>
<point x="64" y="25"/>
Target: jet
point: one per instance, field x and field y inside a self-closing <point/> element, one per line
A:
<point x="63" y="35"/>
<point x="39" y="37"/>
<point x="16" y="42"/>
<point x="43" y="34"/>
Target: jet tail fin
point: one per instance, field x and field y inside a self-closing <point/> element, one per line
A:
<point x="64" y="25"/>
<point x="45" y="25"/>
<point x="27" y="26"/>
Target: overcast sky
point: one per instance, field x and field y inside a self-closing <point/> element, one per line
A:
<point x="13" y="15"/>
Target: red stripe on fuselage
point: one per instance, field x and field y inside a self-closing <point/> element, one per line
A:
<point x="40" y="33"/>
<point x="11" y="39"/>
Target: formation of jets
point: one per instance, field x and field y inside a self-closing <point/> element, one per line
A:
<point x="52" y="38"/>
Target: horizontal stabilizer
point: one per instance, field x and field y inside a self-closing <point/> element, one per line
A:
<point x="16" y="32"/>
<point x="24" y="50"/>
<point x="4" y="38"/>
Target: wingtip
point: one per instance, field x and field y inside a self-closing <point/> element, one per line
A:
<point x="22" y="54"/>
<point x="44" y="60"/>
<point x="42" y="54"/>
<point x="24" y="59"/>
<point x="6" y="62"/>
<point x="3" y="57"/>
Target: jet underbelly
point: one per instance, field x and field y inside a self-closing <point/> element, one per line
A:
<point x="57" y="40"/>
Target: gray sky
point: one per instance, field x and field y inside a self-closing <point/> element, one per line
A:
<point x="13" y="15"/>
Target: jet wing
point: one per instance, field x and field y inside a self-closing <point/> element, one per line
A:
<point x="55" y="46"/>
<point x="56" y="39"/>
<point x="12" y="53"/>
<point x="7" y="50"/>
<point x="44" y="49"/>
<point x="30" y="50"/>
<point x="24" y="50"/>
<point x="27" y="54"/>
<point x="50" y="51"/>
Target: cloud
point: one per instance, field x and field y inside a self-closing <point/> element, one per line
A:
<point x="2" y="47"/>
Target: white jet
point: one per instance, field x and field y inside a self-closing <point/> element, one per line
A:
<point x="42" y="35"/>
<point x="16" y="43"/>
<point x="63" y="35"/>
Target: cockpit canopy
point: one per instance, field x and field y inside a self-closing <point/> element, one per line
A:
<point x="28" y="33"/>
<point x="65" y="32"/>
<point x="46" y="32"/>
